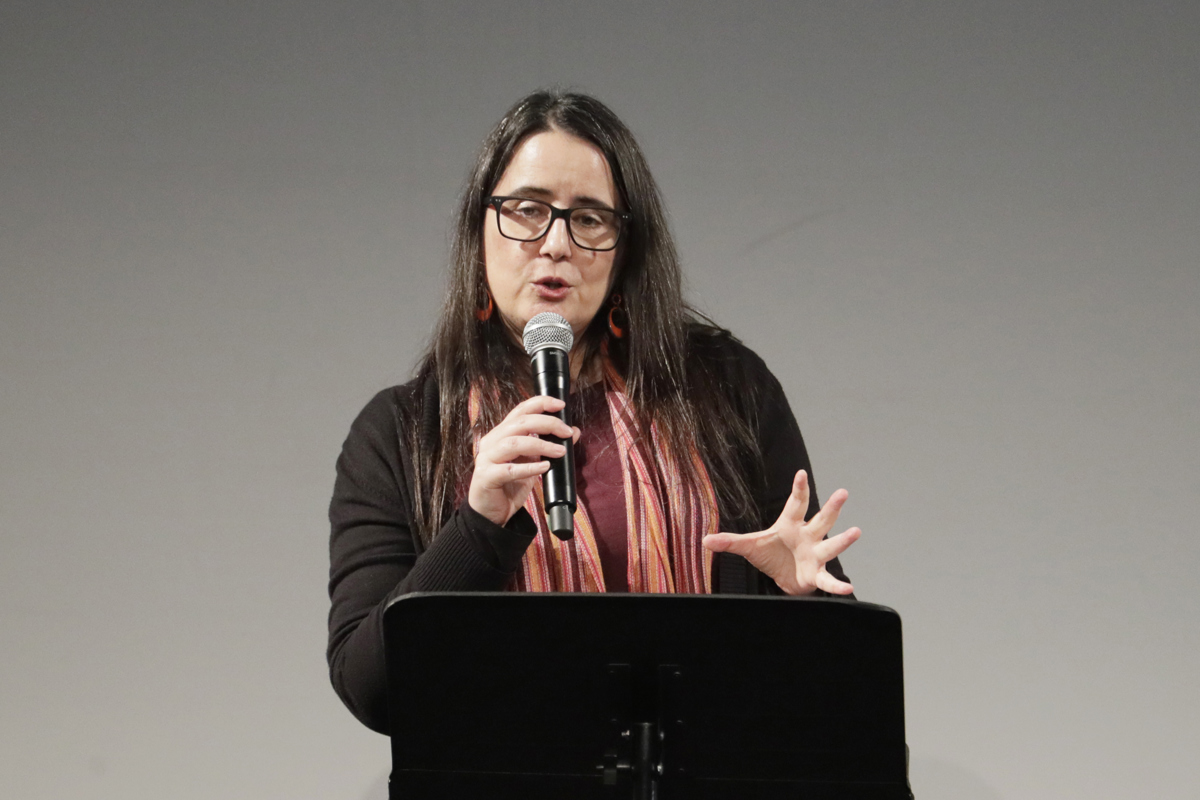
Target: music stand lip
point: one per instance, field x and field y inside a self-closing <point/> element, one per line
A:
<point x="622" y="596"/>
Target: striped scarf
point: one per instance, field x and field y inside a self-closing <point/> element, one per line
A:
<point x="666" y="519"/>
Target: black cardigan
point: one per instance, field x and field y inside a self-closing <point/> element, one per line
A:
<point x="375" y="555"/>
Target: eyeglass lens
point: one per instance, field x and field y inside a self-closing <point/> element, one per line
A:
<point x="527" y="220"/>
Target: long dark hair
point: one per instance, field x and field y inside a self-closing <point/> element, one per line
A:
<point x="664" y="385"/>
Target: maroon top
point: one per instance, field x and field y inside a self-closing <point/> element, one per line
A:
<point x="600" y="483"/>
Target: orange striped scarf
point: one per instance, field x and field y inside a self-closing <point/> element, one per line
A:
<point x="665" y="518"/>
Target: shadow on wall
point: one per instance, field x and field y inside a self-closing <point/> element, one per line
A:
<point x="934" y="779"/>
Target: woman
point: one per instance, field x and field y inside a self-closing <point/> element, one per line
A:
<point x="682" y="432"/>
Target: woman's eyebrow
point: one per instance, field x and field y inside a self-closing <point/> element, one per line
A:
<point x="539" y="193"/>
<point x="588" y="200"/>
<point x="535" y="191"/>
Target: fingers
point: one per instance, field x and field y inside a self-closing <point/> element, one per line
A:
<point x="520" y="439"/>
<point x="525" y="435"/>
<point x="797" y="503"/>
<point x="823" y="520"/>
<point x="827" y="583"/>
<point x="517" y="437"/>
<point x="512" y="448"/>
<point x="510" y="456"/>
<point x="833" y="547"/>
<point x="497" y="476"/>
<point x="522" y="421"/>
<point x="538" y="404"/>
<point x="520" y="470"/>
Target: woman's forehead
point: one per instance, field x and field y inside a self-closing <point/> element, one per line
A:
<point x="555" y="165"/>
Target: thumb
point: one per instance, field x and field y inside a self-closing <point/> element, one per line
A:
<point x="720" y="542"/>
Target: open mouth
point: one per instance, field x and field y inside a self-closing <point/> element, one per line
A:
<point x="552" y="289"/>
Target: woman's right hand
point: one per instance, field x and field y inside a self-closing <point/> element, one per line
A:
<point x="511" y="457"/>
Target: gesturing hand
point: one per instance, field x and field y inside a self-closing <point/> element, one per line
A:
<point x="510" y="457"/>
<point x="794" y="552"/>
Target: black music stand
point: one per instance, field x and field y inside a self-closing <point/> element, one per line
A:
<point x="531" y="696"/>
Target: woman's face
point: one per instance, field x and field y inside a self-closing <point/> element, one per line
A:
<point x="552" y="273"/>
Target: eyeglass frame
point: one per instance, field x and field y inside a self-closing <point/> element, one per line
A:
<point x="556" y="213"/>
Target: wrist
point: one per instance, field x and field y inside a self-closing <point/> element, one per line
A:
<point x="497" y="516"/>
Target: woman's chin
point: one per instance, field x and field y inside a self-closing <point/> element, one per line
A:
<point x="563" y="309"/>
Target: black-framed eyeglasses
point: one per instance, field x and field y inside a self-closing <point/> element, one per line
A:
<point x="590" y="227"/>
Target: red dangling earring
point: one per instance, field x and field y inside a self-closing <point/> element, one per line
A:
<point x="616" y="330"/>
<point x="484" y="314"/>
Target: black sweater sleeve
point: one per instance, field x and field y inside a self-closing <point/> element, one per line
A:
<point x="375" y="555"/>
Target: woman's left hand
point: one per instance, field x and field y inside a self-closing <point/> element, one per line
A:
<point x="794" y="552"/>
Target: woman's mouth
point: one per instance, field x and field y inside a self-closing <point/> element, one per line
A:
<point x="551" y="288"/>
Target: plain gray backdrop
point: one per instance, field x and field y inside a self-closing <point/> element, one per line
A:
<point x="965" y="235"/>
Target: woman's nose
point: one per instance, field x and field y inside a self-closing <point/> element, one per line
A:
<point x="557" y="243"/>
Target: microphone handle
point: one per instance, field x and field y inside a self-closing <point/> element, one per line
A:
<point x="552" y="375"/>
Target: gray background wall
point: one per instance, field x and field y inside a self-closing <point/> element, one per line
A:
<point x="965" y="236"/>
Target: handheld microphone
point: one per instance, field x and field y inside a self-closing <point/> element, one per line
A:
<point x="548" y="339"/>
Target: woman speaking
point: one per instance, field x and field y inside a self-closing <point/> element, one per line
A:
<point x="691" y="474"/>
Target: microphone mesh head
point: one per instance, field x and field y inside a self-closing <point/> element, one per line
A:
<point x="548" y="330"/>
